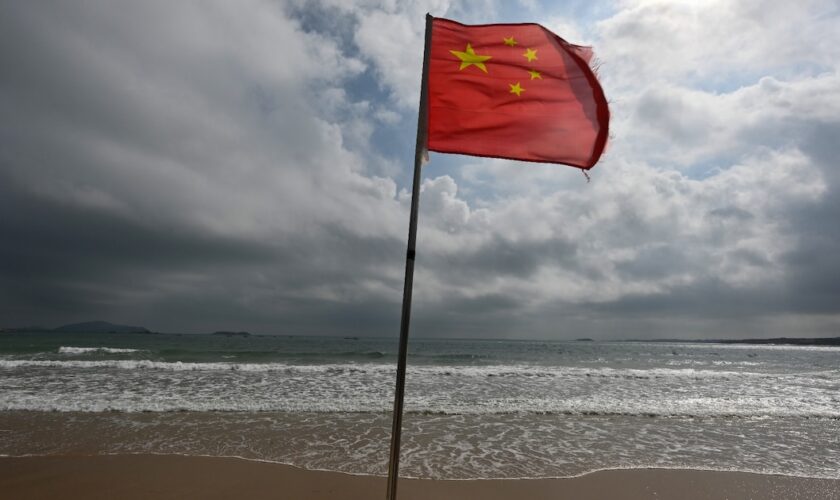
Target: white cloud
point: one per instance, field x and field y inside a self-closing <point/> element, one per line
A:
<point x="393" y="39"/>
<point x="727" y="227"/>
<point x="711" y="41"/>
<point x="568" y="30"/>
<point x="677" y="126"/>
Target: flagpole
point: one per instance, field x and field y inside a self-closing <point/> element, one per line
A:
<point x="419" y="152"/>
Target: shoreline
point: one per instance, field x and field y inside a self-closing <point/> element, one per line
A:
<point x="650" y="468"/>
<point x="179" y="476"/>
<point x="572" y="447"/>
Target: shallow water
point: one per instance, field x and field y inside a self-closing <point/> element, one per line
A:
<point x="474" y="408"/>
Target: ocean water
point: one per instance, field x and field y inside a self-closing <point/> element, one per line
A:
<point x="474" y="409"/>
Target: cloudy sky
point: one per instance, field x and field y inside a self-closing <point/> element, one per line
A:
<point x="203" y="165"/>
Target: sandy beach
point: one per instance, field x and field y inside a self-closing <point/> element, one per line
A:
<point x="181" y="477"/>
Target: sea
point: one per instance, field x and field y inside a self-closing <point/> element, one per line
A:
<point x="473" y="408"/>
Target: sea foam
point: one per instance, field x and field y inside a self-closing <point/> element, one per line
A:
<point x="146" y="385"/>
<point x="89" y="350"/>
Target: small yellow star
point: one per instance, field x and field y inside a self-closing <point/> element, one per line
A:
<point x="516" y="89"/>
<point x="530" y="54"/>
<point x="469" y="57"/>
<point x="535" y="74"/>
<point x="510" y="42"/>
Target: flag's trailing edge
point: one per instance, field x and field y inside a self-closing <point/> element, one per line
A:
<point x="514" y="91"/>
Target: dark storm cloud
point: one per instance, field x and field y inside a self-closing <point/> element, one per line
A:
<point x="62" y="241"/>
<point x="710" y="298"/>
<point x="814" y="266"/>
<point x="655" y="262"/>
<point x="59" y="261"/>
<point x="156" y="167"/>
<point x="500" y="257"/>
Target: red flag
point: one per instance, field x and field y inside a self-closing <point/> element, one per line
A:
<point x="514" y="91"/>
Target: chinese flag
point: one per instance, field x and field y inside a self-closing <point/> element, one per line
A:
<point x="514" y="91"/>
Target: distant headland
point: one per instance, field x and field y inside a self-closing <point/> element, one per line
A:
<point x="824" y="341"/>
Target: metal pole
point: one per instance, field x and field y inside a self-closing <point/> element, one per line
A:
<point x="419" y="152"/>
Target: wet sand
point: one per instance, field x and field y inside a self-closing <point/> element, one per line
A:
<point x="179" y="477"/>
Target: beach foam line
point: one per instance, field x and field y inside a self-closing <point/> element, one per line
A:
<point x="561" y="409"/>
<point x="88" y="350"/>
<point x="337" y="368"/>
<point x="488" y="371"/>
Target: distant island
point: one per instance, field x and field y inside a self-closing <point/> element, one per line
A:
<point x="786" y="341"/>
<point x="231" y="334"/>
<point x="100" y="327"/>
<point x="824" y="341"/>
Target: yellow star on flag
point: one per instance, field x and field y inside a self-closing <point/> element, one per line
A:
<point x="530" y="54"/>
<point x="510" y="41"/>
<point x="469" y="58"/>
<point x="516" y="89"/>
<point x="534" y="74"/>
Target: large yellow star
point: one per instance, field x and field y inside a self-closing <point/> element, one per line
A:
<point x="510" y="41"/>
<point x="516" y="89"/>
<point x="530" y="54"/>
<point x="535" y="74"/>
<point x="469" y="58"/>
